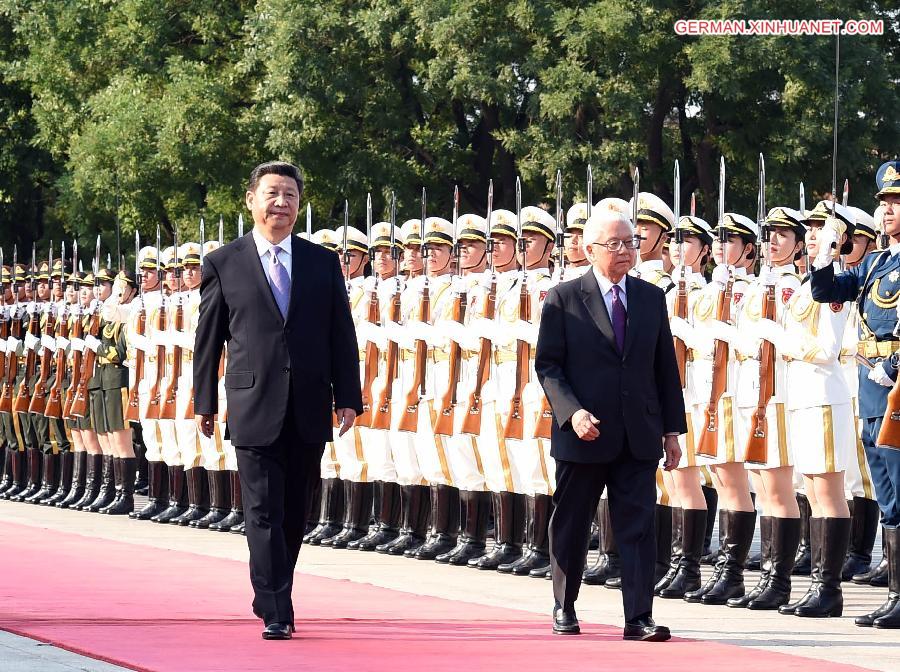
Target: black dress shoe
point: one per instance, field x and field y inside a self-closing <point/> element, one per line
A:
<point x="565" y="622"/>
<point x="645" y="630"/>
<point x="277" y="631"/>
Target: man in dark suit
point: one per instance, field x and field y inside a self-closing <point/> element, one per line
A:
<point x="606" y="361"/>
<point x="280" y="304"/>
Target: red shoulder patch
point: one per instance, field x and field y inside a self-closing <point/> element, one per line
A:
<point x="836" y="307"/>
<point x="786" y="294"/>
<point x="737" y="296"/>
<point x="543" y="295"/>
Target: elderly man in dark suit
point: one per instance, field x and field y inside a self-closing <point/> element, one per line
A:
<point x="280" y="304"/>
<point x="606" y="361"/>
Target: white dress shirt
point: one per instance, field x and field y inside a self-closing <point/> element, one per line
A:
<point x="264" y="247"/>
<point x="606" y="286"/>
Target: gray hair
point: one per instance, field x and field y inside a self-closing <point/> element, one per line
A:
<point x="598" y="223"/>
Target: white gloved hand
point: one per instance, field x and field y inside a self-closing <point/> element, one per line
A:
<point x="92" y="342"/>
<point x="525" y="331"/>
<point x="396" y="333"/>
<point x="139" y="342"/>
<point x="48" y="342"/>
<point x="721" y="274"/>
<point x="878" y="375"/>
<point x="12" y="344"/>
<point x="461" y="334"/>
<point x="368" y="284"/>
<point x="722" y="331"/>
<point x="77" y="344"/>
<point x="772" y="332"/>
<point x="31" y="341"/>
<point x="421" y="331"/>
<point x="62" y="343"/>
<point x="3" y="345"/>
<point x="768" y="277"/>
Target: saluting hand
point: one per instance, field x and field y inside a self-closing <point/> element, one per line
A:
<point x="585" y="425"/>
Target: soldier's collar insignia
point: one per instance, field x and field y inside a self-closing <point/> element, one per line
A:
<point x="893" y="275"/>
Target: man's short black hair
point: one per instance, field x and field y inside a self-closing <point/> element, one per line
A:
<point x="276" y="168"/>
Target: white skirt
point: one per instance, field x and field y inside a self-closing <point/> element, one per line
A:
<point x="822" y="438"/>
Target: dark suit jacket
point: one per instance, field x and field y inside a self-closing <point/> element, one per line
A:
<point x="636" y="395"/>
<point x="313" y="353"/>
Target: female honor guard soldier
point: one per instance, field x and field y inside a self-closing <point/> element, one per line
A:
<point x="822" y="433"/>
<point x="82" y="461"/>
<point x="689" y="517"/>
<point x="111" y="355"/>
<point x="725" y="452"/>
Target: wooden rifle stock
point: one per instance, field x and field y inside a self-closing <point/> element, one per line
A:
<point x="757" y="451"/>
<point x="410" y="419"/>
<point x="444" y="423"/>
<point x="168" y="403"/>
<point x="53" y="407"/>
<point x="133" y="412"/>
<point x="709" y="437"/>
<point x="471" y="423"/>
<point x="39" y="394"/>
<point x="79" y="407"/>
<point x="23" y="394"/>
<point x="889" y="434"/>
<point x="370" y="371"/>
<point x="154" y="407"/>
<point x="77" y="332"/>
<point x="4" y="334"/>
<point x="381" y="414"/>
<point x="514" y="427"/>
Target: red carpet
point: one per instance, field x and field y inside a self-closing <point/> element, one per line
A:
<point x="150" y="609"/>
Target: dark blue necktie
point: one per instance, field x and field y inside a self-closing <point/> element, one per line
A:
<point x="619" y="316"/>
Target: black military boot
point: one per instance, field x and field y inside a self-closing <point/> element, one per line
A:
<point x="64" y="483"/>
<point x="107" y="491"/>
<point x="877" y="576"/>
<point x="79" y="475"/>
<point x="177" y="497"/>
<point x="539" y="510"/>
<point x="832" y="538"/>
<point x="387" y="518"/>
<point x="509" y="513"/>
<point x="416" y="503"/>
<point x="803" y="561"/>
<point x="674" y="552"/>
<point x="445" y="523"/>
<point x="887" y="616"/>
<point x="33" y="474"/>
<point x="17" y="474"/>
<point x="236" y="515"/>
<point x="608" y="565"/>
<point x="124" y="504"/>
<point x="218" y="500"/>
<point x="91" y="482"/>
<point x="785" y="538"/>
<point x="356" y="517"/>
<point x="117" y="480"/>
<point x="864" y="515"/>
<point x="687" y="573"/>
<point x="198" y="500"/>
<point x="347" y="493"/>
<point x="331" y="512"/>
<point x="142" y="477"/>
<point x="765" y="564"/>
<point x="157" y="492"/>
<point x="727" y="580"/>
<point x="7" y="480"/>
<point x="49" y="479"/>
<point x="712" y="506"/>
<point x="472" y="543"/>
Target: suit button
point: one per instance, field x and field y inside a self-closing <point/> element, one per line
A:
<point x="286" y="369"/>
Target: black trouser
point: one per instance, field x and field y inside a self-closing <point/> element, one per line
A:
<point x="631" y="487"/>
<point x="277" y="483"/>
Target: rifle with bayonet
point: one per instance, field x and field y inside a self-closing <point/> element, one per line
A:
<point x="381" y="414"/>
<point x="23" y="394"/>
<point x="681" y="296"/>
<point x="443" y="424"/>
<point x="170" y="399"/>
<point x="39" y="394"/>
<point x="79" y="407"/>
<point x="155" y="403"/>
<point x="514" y="427"/>
<point x="132" y="411"/>
<point x="372" y="356"/>
<point x="76" y="331"/>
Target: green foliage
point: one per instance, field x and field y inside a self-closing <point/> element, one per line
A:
<point x="168" y="105"/>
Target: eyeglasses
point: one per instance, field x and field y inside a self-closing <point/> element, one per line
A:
<point x="616" y="245"/>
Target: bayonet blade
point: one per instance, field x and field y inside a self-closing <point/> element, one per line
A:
<point x="802" y="200"/>
<point x="846" y="198"/>
<point x="309" y="221"/>
<point x="241" y="225"/>
<point x="721" y="203"/>
<point x="590" y="189"/>
<point x="677" y="202"/>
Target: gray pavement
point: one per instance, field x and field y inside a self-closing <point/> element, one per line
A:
<point x="21" y="654"/>
<point x="836" y="639"/>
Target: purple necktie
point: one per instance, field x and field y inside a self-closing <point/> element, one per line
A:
<point x="619" y="316"/>
<point x="279" y="281"/>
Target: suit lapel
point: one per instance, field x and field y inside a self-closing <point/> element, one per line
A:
<point x="300" y="291"/>
<point x="632" y="323"/>
<point x="254" y="266"/>
<point x="593" y="301"/>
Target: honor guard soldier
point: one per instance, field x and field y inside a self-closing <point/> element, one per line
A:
<point x="577" y="263"/>
<point x="734" y="251"/>
<point x="350" y="455"/>
<point x="384" y="287"/>
<point x="15" y="315"/>
<point x="875" y="286"/>
<point x="7" y="443"/>
<point x="690" y="250"/>
<point x="141" y="320"/>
